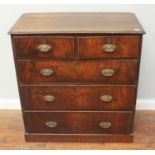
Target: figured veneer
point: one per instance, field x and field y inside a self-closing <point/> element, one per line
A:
<point x="95" y="47"/>
<point x="59" y="47"/>
<point x="79" y="122"/>
<point x="78" y="97"/>
<point x="124" y="72"/>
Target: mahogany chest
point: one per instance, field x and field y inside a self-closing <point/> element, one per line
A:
<point x="77" y="75"/>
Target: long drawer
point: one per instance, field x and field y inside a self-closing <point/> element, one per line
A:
<point x="78" y="97"/>
<point x="79" y="122"/>
<point x="103" y="71"/>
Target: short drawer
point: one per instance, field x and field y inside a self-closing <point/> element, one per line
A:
<point x="103" y="71"/>
<point x="78" y="97"/>
<point x="44" y="47"/>
<point x="109" y="47"/>
<point x="79" y="122"/>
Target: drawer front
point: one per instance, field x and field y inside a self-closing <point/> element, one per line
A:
<point x="105" y="72"/>
<point x="79" y="122"/>
<point x="78" y="97"/>
<point x="44" y="47"/>
<point x="109" y="47"/>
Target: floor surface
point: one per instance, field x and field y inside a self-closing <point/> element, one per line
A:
<point x="12" y="131"/>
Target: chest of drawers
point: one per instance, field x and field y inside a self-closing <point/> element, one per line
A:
<point x="77" y="75"/>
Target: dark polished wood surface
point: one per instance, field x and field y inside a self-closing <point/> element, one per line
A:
<point x="125" y="71"/>
<point x="78" y="97"/>
<point x="61" y="47"/>
<point x="79" y="122"/>
<point x="126" y="46"/>
<point x="45" y="23"/>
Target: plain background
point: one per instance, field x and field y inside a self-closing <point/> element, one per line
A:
<point x="10" y="13"/>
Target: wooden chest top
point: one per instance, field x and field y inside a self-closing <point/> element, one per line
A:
<point x="68" y="23"/>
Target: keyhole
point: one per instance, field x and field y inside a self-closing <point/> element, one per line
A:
<point x="77" y="63"/>
<point x="108" y="40"/>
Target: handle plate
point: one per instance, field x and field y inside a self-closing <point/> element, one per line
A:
<point x="51" y="124"/>
<point x="105" y="125"/>
<point x="44" y="48"/>
<point x="109" y="48"/>
<point x="107" y="72"/>
<point x="106" y="98"/>
<point x="46" y="72"/>
<point x="49" y="98"/>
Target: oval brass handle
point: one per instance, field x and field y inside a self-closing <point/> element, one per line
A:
<point x="105" y="125"/>
<point x="109" y="48"/>
<point x="106" y="98"/>
<point x="51" y="124"/>
<point x="49" y="98"/>
<point x="46" y="72"/>
<point x="107" y="72"/>
<point x="44" y="48"/>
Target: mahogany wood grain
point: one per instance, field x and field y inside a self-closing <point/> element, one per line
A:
<point x="79" y="122"/>
<point x="56" y="23"/>
<point x="92" y="46"/>
<point x="27" y="47"/>
<point x="125" y="71"/>
<point x="78" y="97"/>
